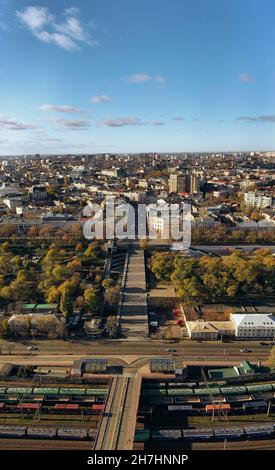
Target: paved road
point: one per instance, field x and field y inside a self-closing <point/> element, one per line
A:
<point x="64" y="353"/>
<point x="135" y="347"/>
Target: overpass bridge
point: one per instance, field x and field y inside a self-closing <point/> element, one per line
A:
<point x="118" y="422"/>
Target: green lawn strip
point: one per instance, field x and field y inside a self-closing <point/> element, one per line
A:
<point x="206" y="421"/>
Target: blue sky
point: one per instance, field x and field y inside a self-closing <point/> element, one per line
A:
<point x="136" y="75"/>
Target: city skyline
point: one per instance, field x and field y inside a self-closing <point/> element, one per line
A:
<point x="104" y="77"/>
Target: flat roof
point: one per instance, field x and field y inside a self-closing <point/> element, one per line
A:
<point x="223" y="373"/>
<point x="95" y="365"/>
<point x="162" y="365"/>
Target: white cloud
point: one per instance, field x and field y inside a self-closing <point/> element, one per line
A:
<point x="160" y="79"/>
<point x="127" y="121"/>
<point x="55" y="38"/>
<point x="158" y="123"/>
<point x="246" y="78"/>
<point x="62" y="109"/>
<point x="265" y="118"/>
<point x="72" y="11"/>
<point x="121" y="122"/>
<point x="101" y="99"/>
<point x="9" y="123"/>
<point x="144" y="77"/>
<point x="35" y="18"/>
<point x="73" y="124"/>
<point x="73" y="28"/>
<point x="66" y="34"/>
<point x="178" y="118"/>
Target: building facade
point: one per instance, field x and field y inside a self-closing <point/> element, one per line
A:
<point x="253" y="325"/>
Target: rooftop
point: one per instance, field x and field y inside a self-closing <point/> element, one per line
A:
<point x="256" y="320"/>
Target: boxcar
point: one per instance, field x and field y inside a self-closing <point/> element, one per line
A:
<point x="13" y="431"/>
<point x="166" y="434"/>
<point x="41" y="433"/>
<point x="259" y="431"/>
<point x="72" y="433"/>
<point x="198" y="434"/>
<point x="229" y="433"/>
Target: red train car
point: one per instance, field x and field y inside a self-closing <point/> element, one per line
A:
<point x="98" y="408"/>
<point x="66" y="407"/>
<point x="219" y="407"/>
<point x="29" y="406"/>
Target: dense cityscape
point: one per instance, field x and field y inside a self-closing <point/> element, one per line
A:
<point x="137" y="231"/>
<point x="74" y="310"/>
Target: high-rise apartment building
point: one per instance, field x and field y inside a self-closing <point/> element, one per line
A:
<point x="257" y="199"/>
<point x="194" y="184"/>
<point x="177" y="183"/>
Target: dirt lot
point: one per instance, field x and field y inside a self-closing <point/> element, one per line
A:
<point x="209" y="312"/>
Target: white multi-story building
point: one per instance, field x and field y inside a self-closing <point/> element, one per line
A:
<point x="163" y="219"/>
<point x="11" y="188"/>
<point x="253" y="325"/>
<point x="257" y="199"/>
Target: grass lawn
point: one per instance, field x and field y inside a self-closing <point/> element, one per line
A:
<point x="48" y="420"/>
<point x="206" y="421"/>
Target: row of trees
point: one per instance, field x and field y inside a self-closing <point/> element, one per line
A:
<point x="70" y="234"/>
<point x="221" y="234"/>
<point x="71" y="277"/>
<point x="209" y="278"/>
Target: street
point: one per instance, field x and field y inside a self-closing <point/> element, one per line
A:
<point x="189" y="349"/>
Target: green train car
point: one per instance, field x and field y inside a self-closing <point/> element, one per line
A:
<point x="233" y="390"/>
<point x="154" y="393"/>
<point x="142" y="435"/>
<point x="20" y="390"/>
<point x="259" y="388"/>
<point x="205" y="392"/>
<point x="72" y="391"/>
<point x="180" y="392"/>
<point x="96" y="391"/>
<point x="45" y="391"/>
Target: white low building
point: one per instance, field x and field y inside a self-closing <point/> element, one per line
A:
<point x="253" y="325"/>
<point x="209" y="330"/>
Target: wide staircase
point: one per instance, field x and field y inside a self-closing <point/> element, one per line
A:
<point x="133" y="312"/>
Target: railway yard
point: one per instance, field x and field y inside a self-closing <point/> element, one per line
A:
<point x="171" y="414"/>
<point x="51" y="414"/>
<point x="208" y="416"/>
